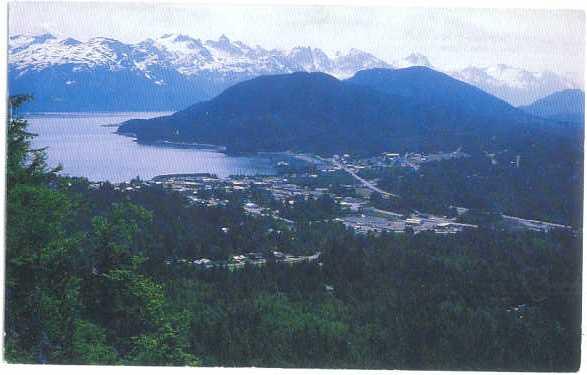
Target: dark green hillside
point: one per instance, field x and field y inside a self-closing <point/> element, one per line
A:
<point x="377" y="110"/>
<point x="563" y="106"/>
<point x="99" y="275"/>
<point x="306" y="111"/>
<point x="429" y="88"/>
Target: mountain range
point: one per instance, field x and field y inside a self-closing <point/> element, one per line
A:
<point x="409" y="109"/>
<point x="174" y="71"/>
<point x="514" y="85"/>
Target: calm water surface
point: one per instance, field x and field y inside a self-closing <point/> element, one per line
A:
<point x="86" y="148"/>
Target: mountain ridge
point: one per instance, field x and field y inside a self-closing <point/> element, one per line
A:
<point x="564" y="106"/>
<point x="316" y="112"/>
<point x="175" y="70"/>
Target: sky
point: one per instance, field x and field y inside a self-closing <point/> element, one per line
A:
<point x="535" y="40"/>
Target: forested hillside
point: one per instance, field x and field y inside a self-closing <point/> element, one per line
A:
<point x="97" y="275"/>
<point x="380" y="110"/>
<point x="563" y="106"/>
<point x="76" y="287"/>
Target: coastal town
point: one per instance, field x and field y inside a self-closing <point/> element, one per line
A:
<point x="337" y="179"/>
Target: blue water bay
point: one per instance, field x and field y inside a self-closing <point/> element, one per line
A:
<point x="86" y="147"/>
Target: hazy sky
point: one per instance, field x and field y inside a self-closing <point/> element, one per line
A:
<point x="451" y="38"/>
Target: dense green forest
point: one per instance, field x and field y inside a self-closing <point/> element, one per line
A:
<point x="537" y="189"/>
<point x="92" y="278"/>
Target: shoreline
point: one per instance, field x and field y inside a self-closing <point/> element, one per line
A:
<point x="194" y="145"/>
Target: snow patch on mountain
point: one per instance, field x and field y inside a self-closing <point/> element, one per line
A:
<point x="515" y="85"/>
<point x="415" y="59"/>
<point x="186" y="55"/>
<point x="176" y="57"/>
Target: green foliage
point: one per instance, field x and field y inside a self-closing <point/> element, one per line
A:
<point x="165" y="346"/>
<point x="90" y="345"/>
<point x="22" y="162"/>
<point x="546" y="186"/>
<point x="135" y="301"/>
<point x="95" y="276"/>
<point x="290" y="334"/>
<point x="75" y="290"/>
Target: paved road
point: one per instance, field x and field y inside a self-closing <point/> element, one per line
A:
<point x="535" y="222"/>
<point x="360" y="179"/>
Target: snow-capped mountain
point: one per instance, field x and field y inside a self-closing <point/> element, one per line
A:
<point x="169" y="72"/>
<point x="515" y="85"/>
<point x="345" y="65"/>
<point x="185" y="54"/>
<point x="414" y="59"/>
<point x="174" y="71"/>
